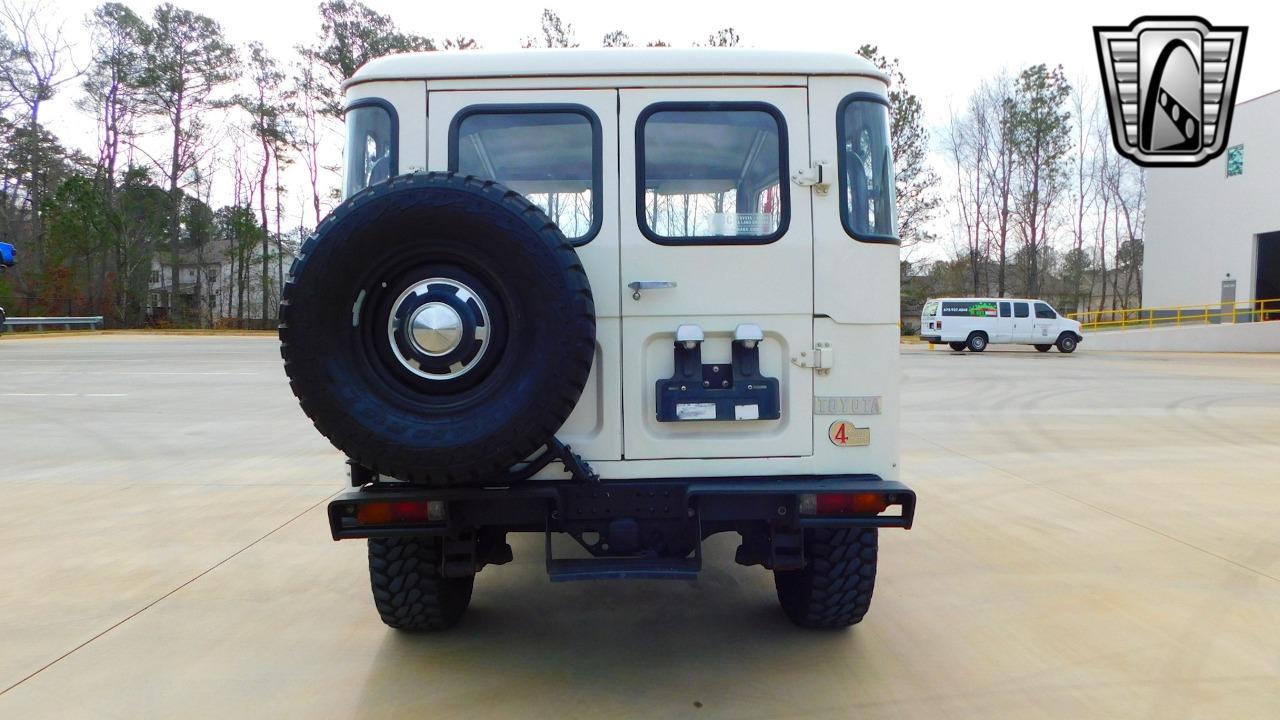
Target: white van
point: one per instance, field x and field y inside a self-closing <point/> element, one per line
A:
<point x="975" y="322"/>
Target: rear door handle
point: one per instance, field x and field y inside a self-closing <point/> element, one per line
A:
<point x="638" y="285"/>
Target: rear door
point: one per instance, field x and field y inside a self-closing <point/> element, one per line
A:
<point x="560" y="149"/>
<point x="927" y="318"/>
<point x="1002" y="329"/>
<point x="718" y="238"/>
<point x="1022" y="323"/>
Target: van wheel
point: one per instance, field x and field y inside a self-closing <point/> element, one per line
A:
<point x="834" y="588"/>
<point x="957" y="346"/>
<point x="408" y="590"/>
<point x="977" y="342"/>
<point x="424" y="353"/>
<point x="1043" y="348"/>
<point x="1067" y="343"/>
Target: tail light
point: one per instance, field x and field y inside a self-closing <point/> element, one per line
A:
<point x="862" y="503"/>
<point x="400" y="512"/>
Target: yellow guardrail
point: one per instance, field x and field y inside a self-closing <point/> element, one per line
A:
<point x="1241" y="311"/>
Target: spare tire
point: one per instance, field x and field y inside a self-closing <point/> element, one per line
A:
<point x="437" y="328"/>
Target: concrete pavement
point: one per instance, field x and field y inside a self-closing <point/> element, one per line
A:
<point x="1096" y="537"/>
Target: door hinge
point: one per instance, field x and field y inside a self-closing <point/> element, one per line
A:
<point x="820" y="358"/>
<point x="817" y="176"/>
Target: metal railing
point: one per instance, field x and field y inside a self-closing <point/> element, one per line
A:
<point x="1241" y="311"/>
<point x="40" y="322"/>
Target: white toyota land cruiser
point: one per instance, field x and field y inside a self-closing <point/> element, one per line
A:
<point x="681" y="264"/>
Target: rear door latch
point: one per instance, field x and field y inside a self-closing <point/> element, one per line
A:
<point x="817" y="176"/>
<point x="820" y="358"/>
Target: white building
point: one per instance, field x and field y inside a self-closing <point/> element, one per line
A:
<point x="209" y="290"/>
<point x="1213" y="232"/>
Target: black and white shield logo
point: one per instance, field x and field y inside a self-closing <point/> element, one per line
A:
<point x="1171" y="86"/>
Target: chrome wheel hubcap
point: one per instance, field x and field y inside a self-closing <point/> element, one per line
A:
<point x="438" y="329"/>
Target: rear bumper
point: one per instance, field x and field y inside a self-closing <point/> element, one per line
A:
<point x="715" y="504"/>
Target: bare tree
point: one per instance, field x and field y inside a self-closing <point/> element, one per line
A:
<point x="112" y="79"/>
<point x="309" y="125"/>
<point x="351" y="34"/>
<point x="617" y="38"/>
<point x="460" y="42"/>
<point x="1127" y="186"/>
<point x="915" y="182"/>
<point x="110" y="87"/>
<point x="266" y="108"/>
<point x="969" y="142"/>
<point x="726" y="37"/>
<point x="36" y="62"/>
<point x="1041" y="139"/>
<point x="556" y="33"/>
<point x="1084" y="187"/>
<point x="186" y="61"/>
<point x="999" y="169"/>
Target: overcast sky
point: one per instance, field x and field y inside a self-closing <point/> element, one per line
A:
<point x="945" y="48"/>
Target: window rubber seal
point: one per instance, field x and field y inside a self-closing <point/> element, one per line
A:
<point x="597" y="148"/>
<point x="842" y="163"/>
<point x="784" y="193"/>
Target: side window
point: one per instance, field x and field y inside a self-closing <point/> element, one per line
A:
<point x="551" y="154"/>
<point x="711" y="173"/>
<point x="1043" y="311"/>
<point x="868" y="203"/>
<point x="1021" y="310"/>
<point x="1004" y="310"/>
<point x="372" y="152"/>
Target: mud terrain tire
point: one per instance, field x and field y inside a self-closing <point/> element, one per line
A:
<point x="408" y="590"/>
<point x="437" y="328"/>
<point x="834" y="588"/>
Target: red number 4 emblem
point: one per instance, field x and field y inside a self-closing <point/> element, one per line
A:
<point x="844" y="434"/>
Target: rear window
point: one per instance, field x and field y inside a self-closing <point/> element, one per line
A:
<point x="1045" y="312"/>
<point x="549" y="153"/>
<point x="371" y="145"/>
<point x="979" y="308"/>
<point x="930" y="308"/>
<point x="711" y="173"/>
<point x="866" y="169"/>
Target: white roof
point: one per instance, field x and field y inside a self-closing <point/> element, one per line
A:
<point x="611" y="62"/>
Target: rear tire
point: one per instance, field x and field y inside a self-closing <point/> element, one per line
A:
<point x="408" y="590"/>
<point x="977" y="342"/>
<point x="834" y="588"/>
<point x="1067" y="343"/>
<point x="957" y="346"/>
<point x="1044" y="348"/>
